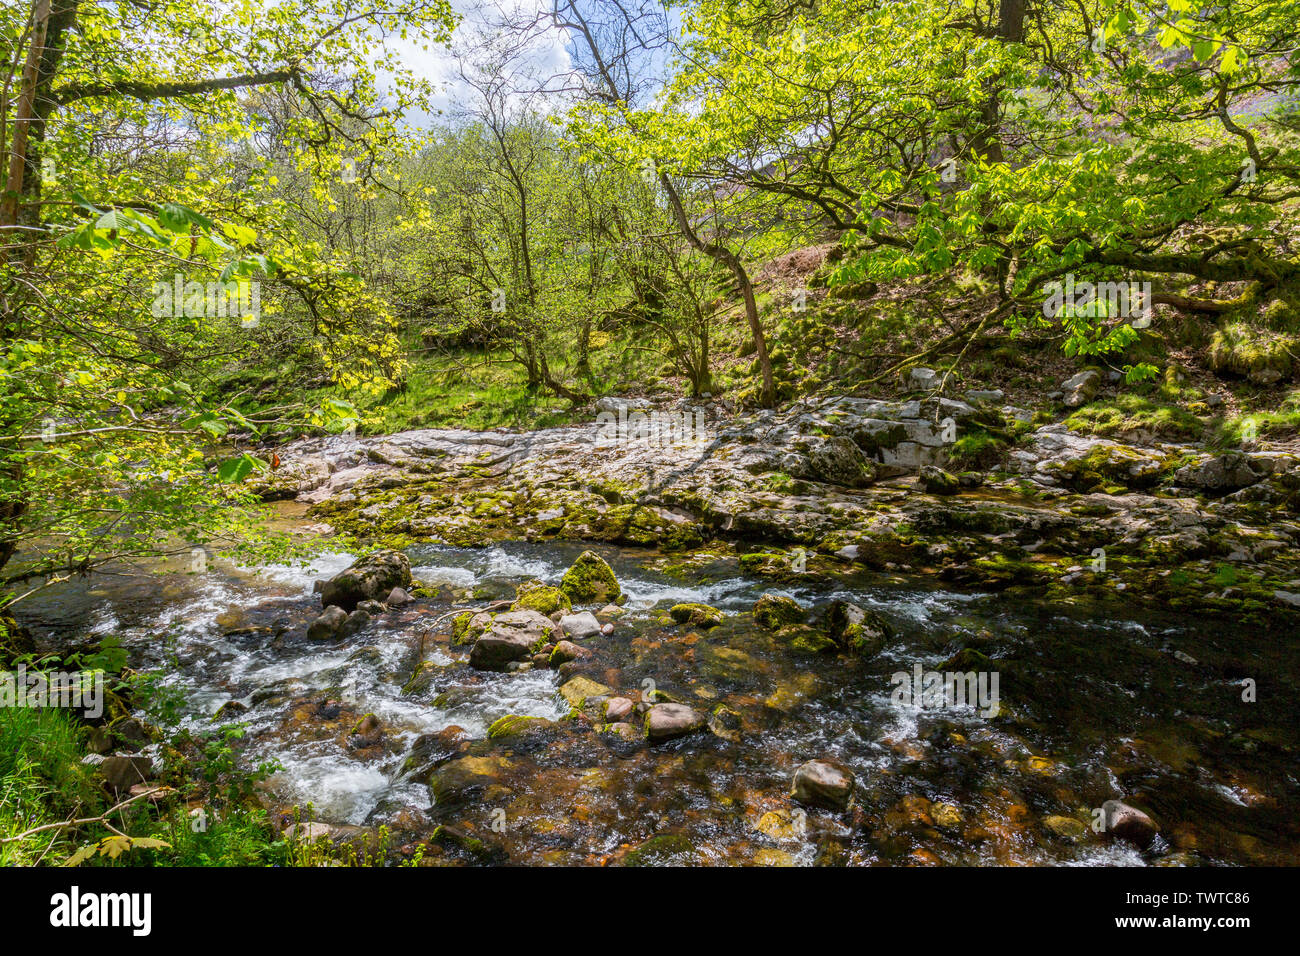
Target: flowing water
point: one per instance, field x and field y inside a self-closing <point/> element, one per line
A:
<point x="1096" y="703"/>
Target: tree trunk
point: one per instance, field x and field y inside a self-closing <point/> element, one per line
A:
<point x="728" y="258"/>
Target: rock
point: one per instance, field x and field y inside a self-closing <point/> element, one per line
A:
<point x="668" y="721"/>
<point x="328" y="625"/>
<point x="536" y="596"/>
<point x="514" y="725"/>
<point x="398" y="597"/>
<point x="101" y="741"/>
<point x="821" y="784"/>
<point x="836" y="460"/>
<point x="698" y="615"/>
<point x="510" y="637"/>
<point x="231" y="708"/>
<point x="355" y="622"/>
<point x="566" y="651"/>
<point x="992" y="396"/>
<point x="618" y="709"/>
<point x="775" y="611"/>
<point x="580" y="626"/>
<point x="664" y="849"/>
<point x="431" y="751"/>
<point x="860" y="630"/>
<point x="590" y="580"/>
<point x="122" y="773"/>
<point x="936" y="481"/>
<point x="1065" y="828"/>
<point x="371" y="577"/>
<point x="576" y="691"/>
<point x="1228" y="472"/>
<point x="922" y="379"/>
<point x="1128" y="823"/>
<point x="1082" y="388"/>
<point x="463" y="780"/>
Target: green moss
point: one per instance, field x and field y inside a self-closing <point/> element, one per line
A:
<point x="697" y="615"/>
<point x="590" y="580"/>
<point x="775" y="611"/>
<point x="515" y="725"/>
<point x="542" y="598"/>
<point x="1131" y="415"/>
<point x="460" y="625"/>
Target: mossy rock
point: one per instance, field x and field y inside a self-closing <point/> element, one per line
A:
<point x="1262" y="356"/>
<point x="543" y="598"/>
<point x="697" y="615"/>
<point x="857" y="629"/>
<point x="590" y="580"/>
<point x="806" y="640"/>
<point x="516" y="725"/>
<point x="665" y="849"/>
<point x="577" y="690"/>
<point x="460" y="627"/>
<point x="776" y="611"/>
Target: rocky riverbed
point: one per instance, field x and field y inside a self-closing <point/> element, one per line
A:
<point x="591" y="646"/>
<point x="844" y="481"/>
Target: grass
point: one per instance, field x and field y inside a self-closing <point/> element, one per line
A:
<point x="1130" y="413"/>
<point x="42" y="780"/>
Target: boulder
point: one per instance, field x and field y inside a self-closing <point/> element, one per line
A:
<point x="1082" y="388"/>
<point x="536" y="596"/>
<point x="431" y="751"/>
<point x="822" y="784"/>
<point x="566" y="651"/>
<point x="590" y="580"/>
<point x="369" y="578"/>
<point x="328" y="625"/>
<point x="576" y="691"/>
<point x="698" y="615"/>
<point x="1228" y="472"/>
<point x="1128" y="823"/>
<point x="922" y="379"/>
<point x="857" y="629"/>
<point x="669" y="721"/>
<point x="122" y="773"/>
<point x="510" y="637"/>
<point x="618" y="709"/>
<point x="398" y="597"/>
<point x="580" y="626"/>
<point x="935" y="481"/>
<point x="775" y="611"/>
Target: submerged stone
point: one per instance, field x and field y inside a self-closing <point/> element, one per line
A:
<point x="822" y="784"/>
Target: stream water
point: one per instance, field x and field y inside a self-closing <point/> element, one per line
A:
<point x="1096" y="703"/>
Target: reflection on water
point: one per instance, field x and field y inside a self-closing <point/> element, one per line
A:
<point x="1098" y="703"/>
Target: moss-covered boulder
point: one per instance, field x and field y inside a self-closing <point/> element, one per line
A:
<point x="1262" y="356"/>
<point x="857" y="629"/>
<point x="775" y="611"/>
<point x="936" y="481"/>
<point x="371" y="577"/>
<point x="543" y="598"/>
<point x="517" y="725"/>
<point x="665" y="849"/>
<point x="579" y="689"/>
<point x="806" y="640"/>
<point x="590" y="581"/>
<point x="697" y="615"/>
